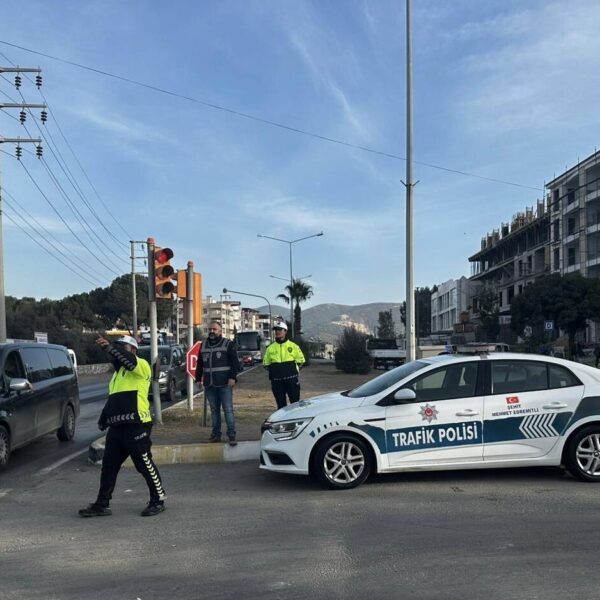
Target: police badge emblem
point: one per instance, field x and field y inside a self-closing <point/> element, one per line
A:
<point x="429" y="413"/>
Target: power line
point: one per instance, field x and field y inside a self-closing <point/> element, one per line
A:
<point x="73" y="256"/>
<point x="267" y="121"/>
<point x="7" y="215"/>
<point x="82" y="220"/>
<point x="55" y="120"/>
<point x="65" y="222"/>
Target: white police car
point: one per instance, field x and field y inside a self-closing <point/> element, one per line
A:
<point x="445" y="412"/>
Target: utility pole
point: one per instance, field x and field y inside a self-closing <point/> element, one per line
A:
<point x="155" y="367"/>
<point x="18" y="141"/>
<point x="410" y="298"/>
<point x="134" y="273"/>
<point x="189" y="308"/>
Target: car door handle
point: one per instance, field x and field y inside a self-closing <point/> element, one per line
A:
<point x="554" y="405"/>
<point x="467" y="413"/>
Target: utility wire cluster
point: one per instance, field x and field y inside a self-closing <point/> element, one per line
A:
<point x="99" y="254"/>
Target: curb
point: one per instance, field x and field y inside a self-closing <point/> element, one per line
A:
<point x="187" y="454"/>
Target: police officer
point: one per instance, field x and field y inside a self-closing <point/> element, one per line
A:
<point x="283" y="359"/>
<point x="126" y="414"/>
<point x="218" y="371"/>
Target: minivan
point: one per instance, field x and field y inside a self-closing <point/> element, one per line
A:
<point x="39" y="394"/>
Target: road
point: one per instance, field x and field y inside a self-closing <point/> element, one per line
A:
<point x="40" y="458"/>
<point x="233" y="531"/>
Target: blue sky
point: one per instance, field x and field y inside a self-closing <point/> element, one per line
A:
<point x="503" y="89"/>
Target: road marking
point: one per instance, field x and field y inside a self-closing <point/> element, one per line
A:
<point x="60" y="462"/>
<point x="5" y="492"/>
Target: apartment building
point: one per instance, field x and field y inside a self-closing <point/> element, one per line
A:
<point x="448" y="302"/>
<point x="226" y="312"/>
<point x="574" y="198"/>
<point x="513" y="256"/>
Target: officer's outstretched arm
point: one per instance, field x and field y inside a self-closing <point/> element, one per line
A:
<point x="127" y="359"/>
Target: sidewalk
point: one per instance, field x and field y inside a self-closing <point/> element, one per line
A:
<point x="181" y="439"/>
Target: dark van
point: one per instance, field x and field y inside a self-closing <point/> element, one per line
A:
<point x="39" y="394"/>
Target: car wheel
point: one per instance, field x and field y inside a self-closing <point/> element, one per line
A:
<point x="67" y="429"/>
<point x="172" y="393"/>
<point x="342" y="462"/>
<point x="582" y="457"/>
<point x="4" y="447"/>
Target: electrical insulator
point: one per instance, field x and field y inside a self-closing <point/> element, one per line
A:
<point x="38" y="81"/>
<point x="44" y="116"/>
<point x="17" y="81"/>
<point x="18" y="152"/>
<point x="22" y="116"/>
<point x="39" y="151"/>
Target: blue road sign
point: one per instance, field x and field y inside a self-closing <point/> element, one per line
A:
<point x="548" y="325"/>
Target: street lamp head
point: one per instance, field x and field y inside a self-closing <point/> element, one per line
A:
<point x="224" y="290"/>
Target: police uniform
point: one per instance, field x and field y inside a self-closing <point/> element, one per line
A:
<point x="127" y="416"/>
<point x="283" y="361"/>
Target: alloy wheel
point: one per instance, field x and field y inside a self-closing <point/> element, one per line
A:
<point x="344" y="462"/>
<point x="588" y="455"/>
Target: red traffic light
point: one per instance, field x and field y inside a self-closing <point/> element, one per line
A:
<point x="163" y="255"/>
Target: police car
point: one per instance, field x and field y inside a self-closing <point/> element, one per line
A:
<point x="446" y="412"/>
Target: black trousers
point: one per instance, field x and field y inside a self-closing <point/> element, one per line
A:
<point x="285" y="388"/>
<point x="123" y="441"/>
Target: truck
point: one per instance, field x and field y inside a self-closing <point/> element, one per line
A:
<point x="385" y="353"/>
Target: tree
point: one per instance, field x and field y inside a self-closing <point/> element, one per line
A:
<point x="568" y="300"/>
<point x="297" y="292"/>
<point x="489" y="313"/>
<point x="422" y="311"/>
<point x="386" y="329"/>
<point x="351" y="355"/>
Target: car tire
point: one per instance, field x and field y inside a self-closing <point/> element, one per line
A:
<point x="172" y="391"/>
<point x="342" y="462"/>
<point x="67" y="429"/>
<point x="4" y="447"/>
<point x="582" y="454"/>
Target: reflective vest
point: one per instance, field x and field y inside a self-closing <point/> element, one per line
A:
<point x="128" y="396"/>
<point x="215" y="363"/>
<point x="283" y="360"/>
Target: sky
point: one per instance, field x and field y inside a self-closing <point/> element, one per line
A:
<point x="503" y="89"/>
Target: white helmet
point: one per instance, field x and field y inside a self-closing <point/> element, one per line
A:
<point x="127" y="339"/>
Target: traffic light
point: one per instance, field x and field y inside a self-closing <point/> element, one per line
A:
<point x="163" y="273"/>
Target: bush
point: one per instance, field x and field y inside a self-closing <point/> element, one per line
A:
<point x="351" y="355"/>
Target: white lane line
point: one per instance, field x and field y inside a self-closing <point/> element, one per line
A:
<point x="5" y="492"/>
<point x="60" y="462"/>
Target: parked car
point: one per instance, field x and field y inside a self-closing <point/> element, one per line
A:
<point x="39" y="394"/>
<point x="172" y="375"/>
<point x="476" y="411"/>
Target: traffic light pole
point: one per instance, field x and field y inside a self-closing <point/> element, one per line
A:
<point x="153" y="334"/>
<point x="189" y="308"/>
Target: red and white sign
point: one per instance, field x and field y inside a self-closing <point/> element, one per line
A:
<point x="191" y="359"/>
<point x="512" y="400"/>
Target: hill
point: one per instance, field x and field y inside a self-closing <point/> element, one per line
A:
<point x="327" y="321"/>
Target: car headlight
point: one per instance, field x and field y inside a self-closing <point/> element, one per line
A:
<point x="162" y="375"/>
<point x="257" y="355"/>
<point x="286" y="430"/>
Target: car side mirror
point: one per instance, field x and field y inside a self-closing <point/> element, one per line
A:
<point x="404" y="395"/>
<point x="20" y="385"/>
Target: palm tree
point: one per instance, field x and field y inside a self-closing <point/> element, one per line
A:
<point x="297" y="292"/>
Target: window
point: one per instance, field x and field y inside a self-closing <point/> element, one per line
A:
<point x="511" y="293"/>
<point x="379" y="384"/>
<point x="13" y="369"/>
<point x="454" y="381"/>
<point x="37" y="364"/>
<point x="571" y="257"/>
<point x="557" y="259"/>
<point x="560" y="377"/>
<point x="61" y="363"/>
<point x="556" y="233"/>
<point x="570" y="226"/>
<point x="509" y="377"/>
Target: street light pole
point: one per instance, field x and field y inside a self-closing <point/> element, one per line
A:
<point x="228" y="291"/>
<point x="290" y="242"/>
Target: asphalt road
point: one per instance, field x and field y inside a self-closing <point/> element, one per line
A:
<point x="232" y="531"/>
<point x="48" y="453"/>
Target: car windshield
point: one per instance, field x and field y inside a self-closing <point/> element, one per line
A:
<point x="377" y="385"/>
<point x="163" y="354"/>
